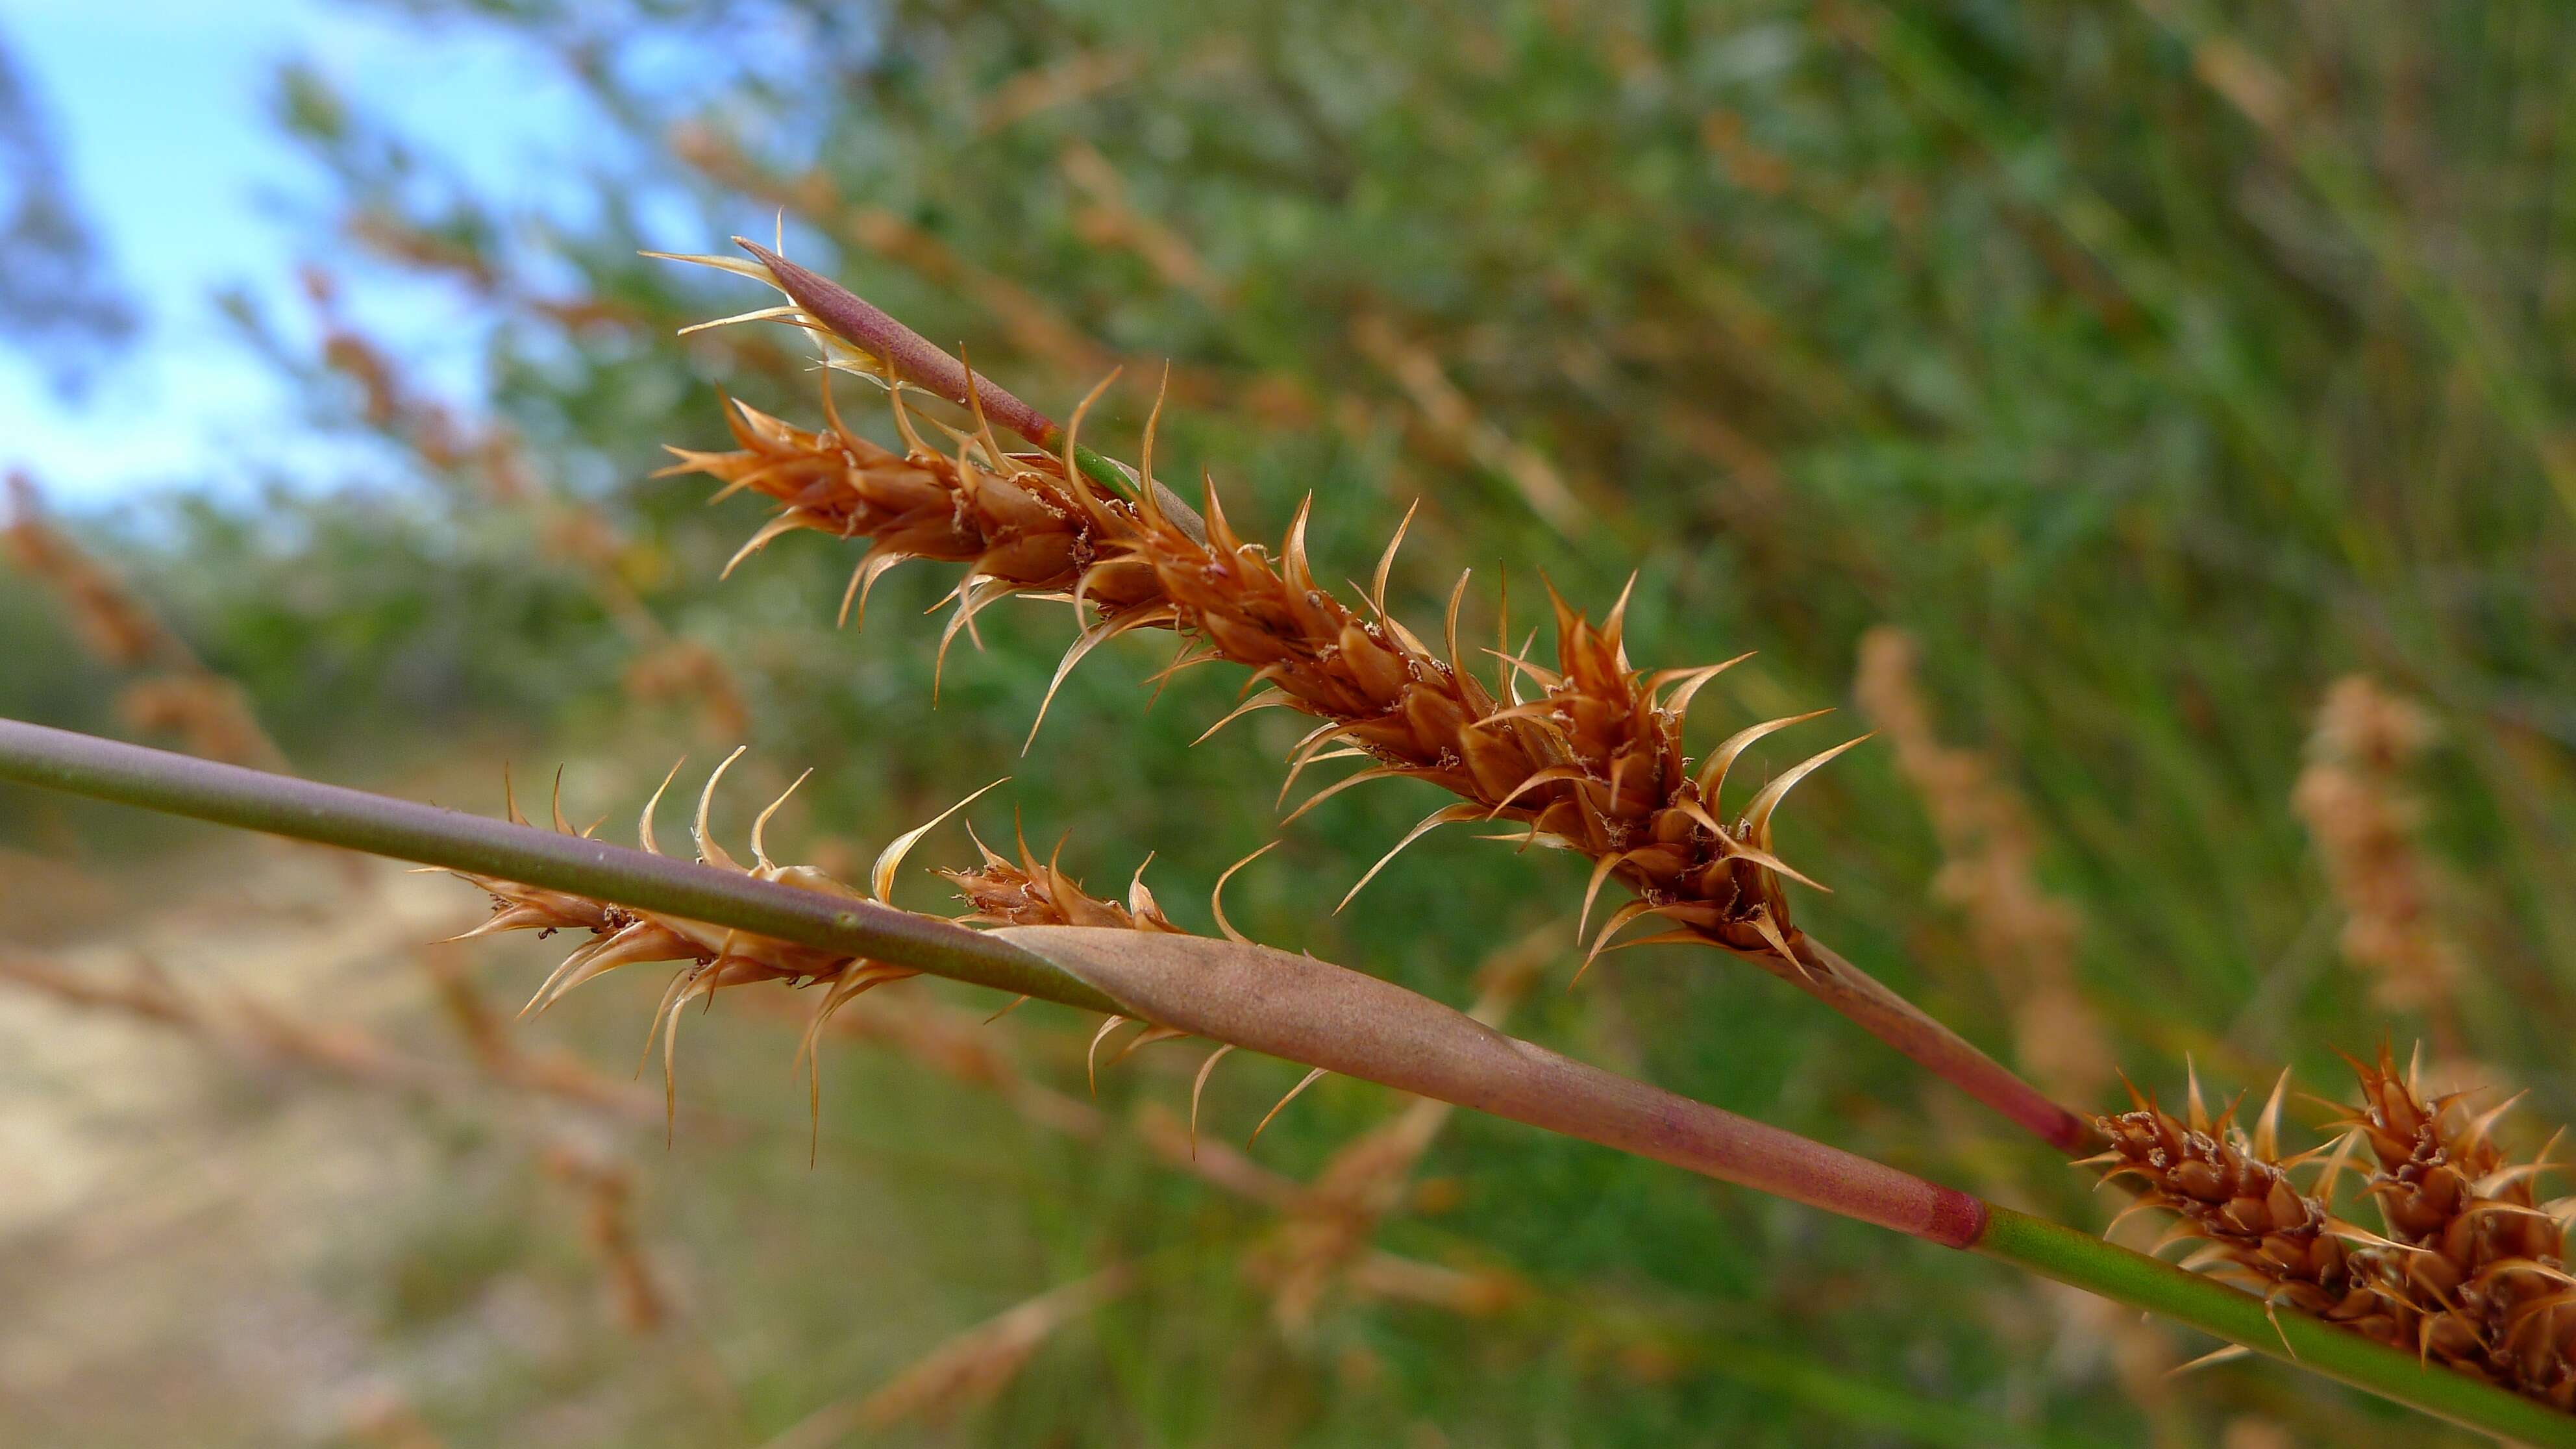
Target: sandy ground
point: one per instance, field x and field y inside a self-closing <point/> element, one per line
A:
<point x="162" y="1278"/>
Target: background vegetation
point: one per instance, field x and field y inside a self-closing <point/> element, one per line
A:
<point x="2149" y="367"/>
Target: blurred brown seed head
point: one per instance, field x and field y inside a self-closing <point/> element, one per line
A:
<point x="1327" y="1232"/>
<point x="211" y="717"/>
<point x="111" y="622"/>
<point x="2358" y="807"/>
<point x="976" y="1365"/>
<point x="2026" y="937"/>
<point x="607" y="1190"/>
<point x="690" y="673"/>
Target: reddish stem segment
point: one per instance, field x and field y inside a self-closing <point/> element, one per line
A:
<point x="1901" y="1024"/>
<point x="914" y="356"/>
<point x="1305" y="1010"/>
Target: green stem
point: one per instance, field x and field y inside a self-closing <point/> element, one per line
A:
<point x="1687" y="1133"/>
<point x="1103" y="472"/>
<point x="2158" y="1287"/>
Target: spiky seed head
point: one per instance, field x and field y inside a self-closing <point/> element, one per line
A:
<point x="1594" y="762"/>
<point x="2469" y="1270"/>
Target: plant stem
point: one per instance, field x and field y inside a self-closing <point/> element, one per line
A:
<point x="1867" y="1003"/>
<point x="1290" y="1006"/>
<point x="1303" y="1010"/>
<point x="334" y="815"/>
<point x="870" y="328"/>
<point x="2149" y="1284"/>
<point x="864" y="324"/>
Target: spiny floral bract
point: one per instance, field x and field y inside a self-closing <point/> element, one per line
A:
<point x="2469" y="1271"/>
<point x="1591" y="762"/>
<point x="998" y="892"/>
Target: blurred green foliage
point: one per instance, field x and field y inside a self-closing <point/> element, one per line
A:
<point x="2152" y="364"/>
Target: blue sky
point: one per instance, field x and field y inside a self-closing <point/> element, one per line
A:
<point x="161" y="109"/>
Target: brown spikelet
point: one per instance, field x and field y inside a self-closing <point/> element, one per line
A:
<point x="2470" y="1271"/>
<point x="2491" y="1277"/>
<point x="1028" y="893"/>
<point x="2355" y="801"/>
<point x="712" y="958"/>
<point x="1591" y="760"/>
<point x="2269" y="1234"/>
<point x="2025" y="936"/>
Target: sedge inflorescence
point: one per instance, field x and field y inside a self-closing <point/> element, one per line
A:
<point x="1583" y="753"/>
<point x="999" y="891"/>
<point x="712" y="957"/>
<point x="2468" y="1269"/>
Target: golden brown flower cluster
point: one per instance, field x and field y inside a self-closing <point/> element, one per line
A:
<point x="1003" y="893"/>
<point x="998" y="892"/>
<point x="1591" y="761"/>
<point x="2470" y="1269"/>
<point x="714" y="957"/>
